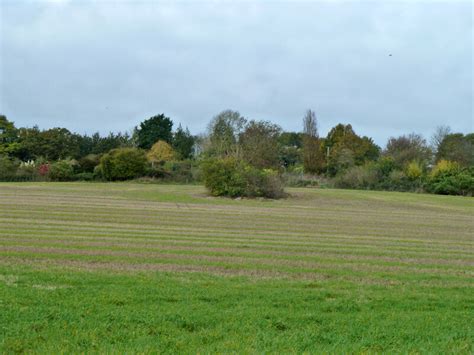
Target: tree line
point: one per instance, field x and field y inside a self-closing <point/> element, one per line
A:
<point x="241" y="157"/>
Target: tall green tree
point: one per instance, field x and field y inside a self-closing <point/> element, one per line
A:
<point x="291" y="139"/>
<point x="8" y="137"/>
<point x="290" y="148"/>
<point x="152" y="130"/>
<point x="52" y="144"/>
<point x="183" y="143"/>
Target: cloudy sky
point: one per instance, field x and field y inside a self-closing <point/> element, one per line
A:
<point x="387" y="68"/>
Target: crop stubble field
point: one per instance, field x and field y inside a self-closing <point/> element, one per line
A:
<point x="156" y="268"/>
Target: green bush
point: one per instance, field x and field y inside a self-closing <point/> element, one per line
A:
<point x="28" y="171"/>
<point x="179" y="171"/>
<point x="262" y="183"/>
<point x="358" y="177"/>
<point x="88" y="163"/>
<point x="451" y="179"/>
<point x="222" y="177"/>
<point x="8" y="167"/>
<point x="122" y="164"/>
<point x="398" y="181"/>
<point x="62" y="170"/>
<point x="235" y="178"/>
<point x="414" y="170"/>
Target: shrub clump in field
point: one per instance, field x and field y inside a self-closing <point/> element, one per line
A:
<point x="449" y="178"/>
<point x="62" y="170"/>
<point x="235" y="178"/>
<point x="122" y="164"/>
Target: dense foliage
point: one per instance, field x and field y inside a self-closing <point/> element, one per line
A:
<point x="122" y="164"/>
<point x="242" y="157"/>
<point x="152" y="130"/>
<point x="235" y="178"/>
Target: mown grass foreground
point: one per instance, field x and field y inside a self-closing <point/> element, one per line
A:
<point x="160" y="268"/>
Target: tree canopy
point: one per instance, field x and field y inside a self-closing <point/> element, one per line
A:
<point x="259" y="142"/>
<point x="224" y="131"/>
<point x="408" y="148"/>
<point x="457" y="147"/>
<point x="183" y="143"/>
<point x="344" y="149"/>
<point x="152" y="130"/>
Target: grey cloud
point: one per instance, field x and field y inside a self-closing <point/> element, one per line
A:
<point x="108" y="65"/>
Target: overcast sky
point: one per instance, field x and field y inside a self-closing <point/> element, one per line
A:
<point x="387" y="68"/>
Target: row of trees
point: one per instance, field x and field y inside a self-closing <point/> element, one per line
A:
<point x="59" y="143"/>
<point x="241" y="157"/>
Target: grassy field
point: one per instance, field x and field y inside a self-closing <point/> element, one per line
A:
<point x="161" y="268"/>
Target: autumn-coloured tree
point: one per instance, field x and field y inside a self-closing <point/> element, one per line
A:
<point x="160" y="152"/>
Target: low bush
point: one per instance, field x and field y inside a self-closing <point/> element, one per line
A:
<point x="8" y="167"/>
<point x="222" y="177"/>
<point x="398" y="180"/>
<point x="122" y="164"/>
<point x="382" y="176"/>
<point x="29" y="171"/>
<point x="357" y="177"/>
<point x="414" y="171"/>
<point x="235" y="178"/>
<point x="262" y="183"/>
<point x="62" y="170"/>
<point x="179" y="171"/>
<point x="88" y="163"/>
<point x="175" y="171"/>
<point x="448" y="178"/>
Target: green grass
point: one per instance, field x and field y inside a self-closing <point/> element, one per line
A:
<point x="127" y="267"/>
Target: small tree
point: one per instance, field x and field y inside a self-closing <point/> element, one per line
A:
<point x="161" y="152"/>
<point x="311" y="144"/>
